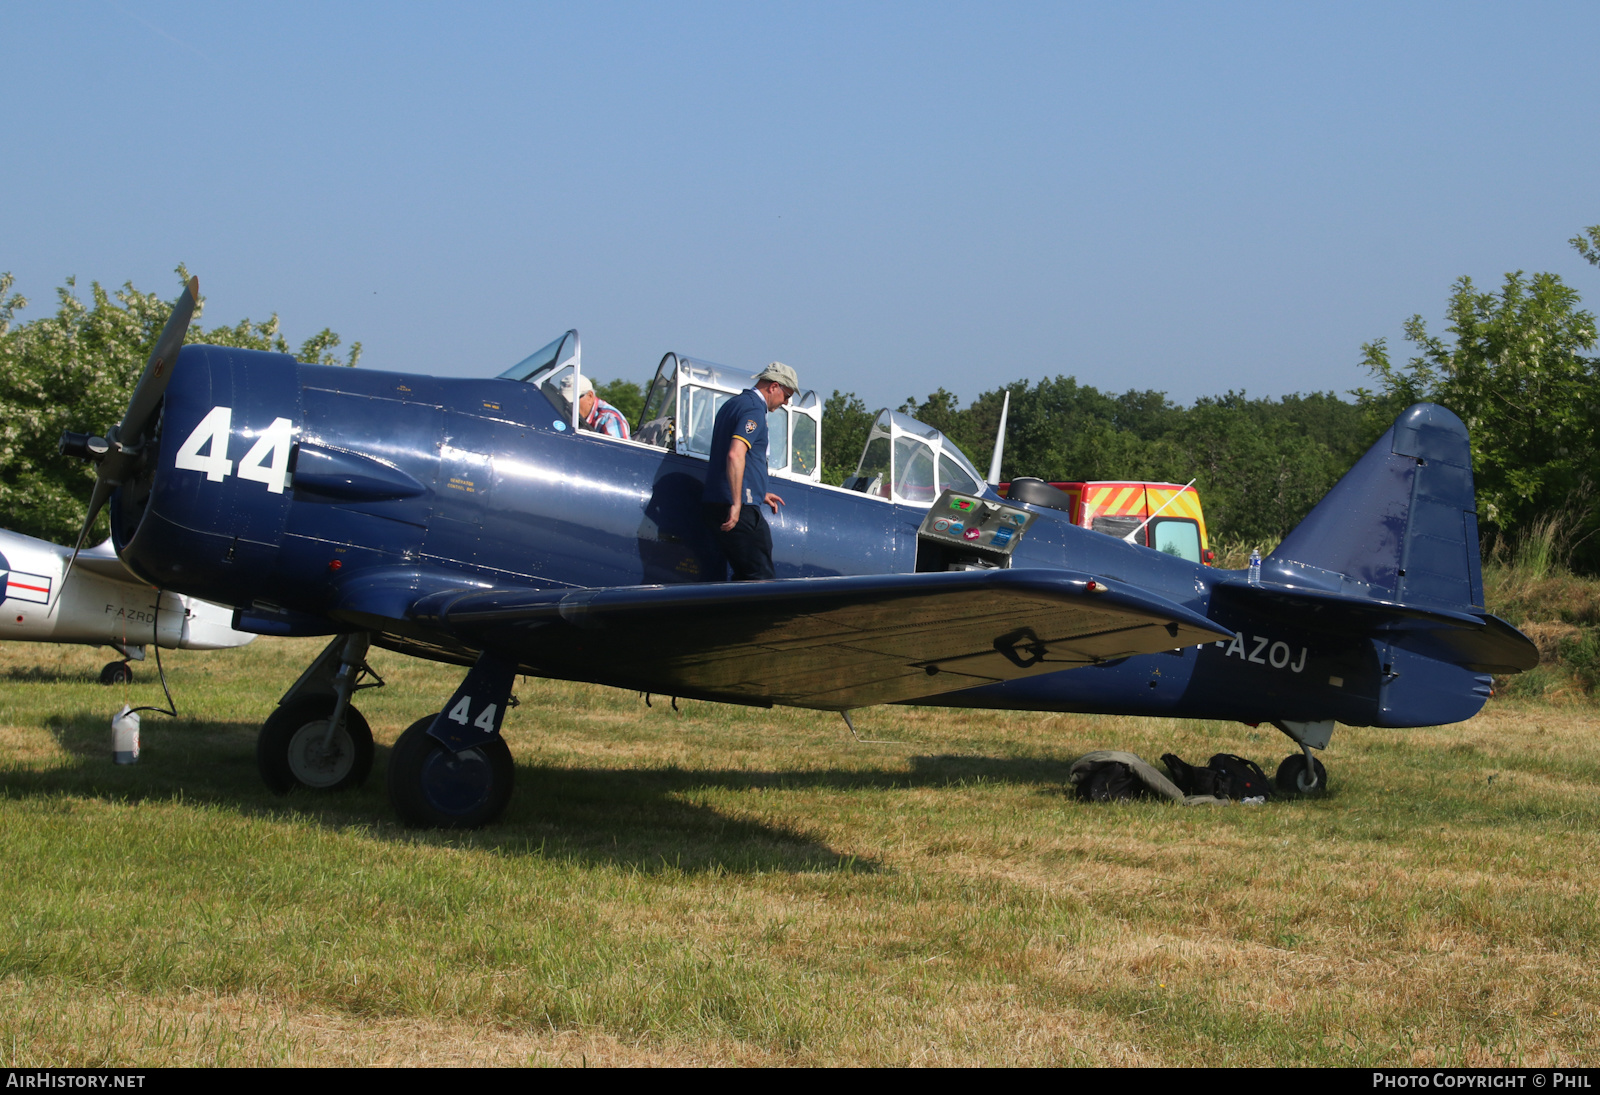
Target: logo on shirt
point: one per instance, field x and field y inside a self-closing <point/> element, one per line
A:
<point x="750" y="425"/>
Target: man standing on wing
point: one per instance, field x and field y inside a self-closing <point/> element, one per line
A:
<point x="736" y="481"/>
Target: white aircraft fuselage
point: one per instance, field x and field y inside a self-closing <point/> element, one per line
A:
<point x="101" y="604"/>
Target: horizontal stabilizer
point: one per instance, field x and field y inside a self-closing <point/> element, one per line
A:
<point x="1478" y="641"/>
<point x="827" y="643"/>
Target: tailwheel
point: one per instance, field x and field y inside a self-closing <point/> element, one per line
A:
<point x="1296" y="777"/>
<point x="432" y="787"/>
<point x="295" y="748"/>
<point x="116" y="673"/>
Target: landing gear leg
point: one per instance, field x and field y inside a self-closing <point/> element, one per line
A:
<point x="453" y="770"/>
<point x="316" y="738"/>
<point x="1301" y="774"/>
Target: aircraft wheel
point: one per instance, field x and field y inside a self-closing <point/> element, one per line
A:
<point x="290" y="751"/>
<point x="116" y="673"/>
<point x="1294" y="780"/>
<point x="434" y="788"/>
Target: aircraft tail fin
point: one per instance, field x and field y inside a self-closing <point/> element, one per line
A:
<point x="1401" y="526"/>
<point x="1391" y="555"/>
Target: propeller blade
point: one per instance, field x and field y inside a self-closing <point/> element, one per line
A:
<point x="158" y="370"/>
<point x="115" y="462"/>
<point x="102" y="491"/>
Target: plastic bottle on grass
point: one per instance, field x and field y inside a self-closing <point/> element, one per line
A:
<point x="125" y="735"/>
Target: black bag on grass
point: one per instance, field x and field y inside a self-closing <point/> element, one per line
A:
<point x="1244" y="777"/>
<point x="1226" y="776"/>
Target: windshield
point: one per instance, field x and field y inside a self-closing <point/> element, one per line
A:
<point x="534" y="368"/>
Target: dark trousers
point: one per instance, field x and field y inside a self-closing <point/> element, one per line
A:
<point x="748" y="545"/>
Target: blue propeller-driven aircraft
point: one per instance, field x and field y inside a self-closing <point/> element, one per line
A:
<point x="472" y="521"/>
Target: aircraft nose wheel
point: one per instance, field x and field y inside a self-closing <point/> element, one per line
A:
<point x="432" y="787"/>
<point x="116" y="673"/>
<point x="294" y="748"/>
<point x="1295" y="779"/>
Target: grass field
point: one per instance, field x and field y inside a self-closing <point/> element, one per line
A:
<point x="723" y="885"/>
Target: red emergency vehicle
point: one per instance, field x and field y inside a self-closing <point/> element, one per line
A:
<point x="1178" y="525"/>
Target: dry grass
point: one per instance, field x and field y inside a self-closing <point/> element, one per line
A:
<point x="724" y="885"/>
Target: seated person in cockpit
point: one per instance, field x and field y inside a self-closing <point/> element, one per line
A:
<point x="595" y="413"/>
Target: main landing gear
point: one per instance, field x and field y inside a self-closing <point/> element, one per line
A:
<point x="447" y="771"/>
<point x="1302" y="775"/>
<point x="116" y="673"/>
<point x="316" y="739"/>
<point x="121" y="671"/>
<point x="453" y="770"/>
<point x="431" y="787"/>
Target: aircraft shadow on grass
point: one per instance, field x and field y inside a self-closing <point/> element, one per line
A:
<point x="642" y="818"/>
<point x="35" y="674"/>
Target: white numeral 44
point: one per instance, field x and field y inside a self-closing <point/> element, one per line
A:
<point x="206" y="450"/>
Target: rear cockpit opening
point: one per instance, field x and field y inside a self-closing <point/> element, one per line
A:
<point x="680" y="409"/>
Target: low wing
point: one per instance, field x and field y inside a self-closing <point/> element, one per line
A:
<point x="827" y="643"/>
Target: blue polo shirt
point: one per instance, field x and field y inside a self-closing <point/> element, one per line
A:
<point x="742" y="420"/>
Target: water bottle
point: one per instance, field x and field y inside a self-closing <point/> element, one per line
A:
<point x="1255" y="566"/>
<point x="125" y="736"/>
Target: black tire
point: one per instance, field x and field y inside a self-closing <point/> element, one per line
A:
<point x="1293" y="781"/>
<point x="116" y="673"/>
<point x="289" y="752"/>
<point x="431" y="787"/>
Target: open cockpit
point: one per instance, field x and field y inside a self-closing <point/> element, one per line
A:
<point x="681" y="404"/>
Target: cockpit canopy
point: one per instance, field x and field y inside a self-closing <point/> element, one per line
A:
<point x="681" y="407"/>
<point x="904" y="461"/>
<point x="912" y="463"/>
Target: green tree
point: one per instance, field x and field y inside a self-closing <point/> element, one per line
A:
<point x="845" y="425"/>
<point x="1587" y="244"/>
<point x="1514" y="370"/>
<point x="75" y="370"/>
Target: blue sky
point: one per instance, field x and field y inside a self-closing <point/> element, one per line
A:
<point x="891" y="198"/>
